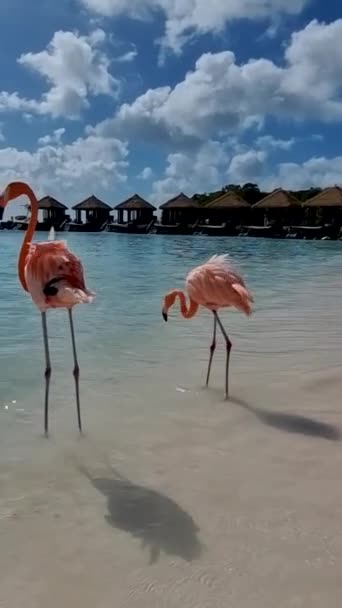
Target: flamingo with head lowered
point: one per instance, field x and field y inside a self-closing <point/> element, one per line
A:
<point x="54" y="278"/>
<point x="214" y="285"/>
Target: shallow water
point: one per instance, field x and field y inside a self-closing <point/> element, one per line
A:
<point x="145" y="412"/>
<point x="124" y="345"/>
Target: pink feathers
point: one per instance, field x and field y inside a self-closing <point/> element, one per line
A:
<point x="216" y="284"/>
<point x="55" y="276"/>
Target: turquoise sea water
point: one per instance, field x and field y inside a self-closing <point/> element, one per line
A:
<point x="122" y="339"/>
<point x="197" y="497"/>
<point x="124" y="345"/>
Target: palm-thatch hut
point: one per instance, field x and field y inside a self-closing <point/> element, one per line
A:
<point x="136" y="208"/>
<point x="329" y="197"/>
<point x="325" y="207"/>
<point x="279" y="208"/>
<point x="53" y="214"/>
<point x="97" y="215"/>
<point x="180" y="214"/>
<point x="323" y="213"/>
<point x="133" y="215"/>
<point x="225" y="213"/>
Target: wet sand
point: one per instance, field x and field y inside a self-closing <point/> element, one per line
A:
<point x="204" y="504"/>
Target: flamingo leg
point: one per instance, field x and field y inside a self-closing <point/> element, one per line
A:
<point x="47" y="373"/>
<point x="76" y="370"/>
<point x="212" y="350"/>
<point x="228" y="347"/>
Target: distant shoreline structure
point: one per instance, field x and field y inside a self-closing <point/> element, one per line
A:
<point x="234" y="211"/>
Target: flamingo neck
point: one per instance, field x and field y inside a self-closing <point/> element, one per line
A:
<point x="28" y="236"/>
<point x="187" y="310"/>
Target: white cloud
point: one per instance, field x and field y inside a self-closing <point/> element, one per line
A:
<point x="71" y="170"/>
<point x="185" y="17"/>
<point x="127" y="57"/>
<point x="138" y="9"/>
<point x="74" y="67"/>
<point x="12" y="102"/>
<point x="207" y="171"/>
<point x="221" y="96"/>
<point x="2" y="137"/>
<point x="54" y="138"/>
<point x="246" y="167"/>
<point x="315" y="172"/>
<point x="268" y="142"/>
<point x="146" y="174"/>
<point x="189" y="172"/>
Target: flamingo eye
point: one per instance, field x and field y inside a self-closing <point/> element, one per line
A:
<point x="50" y="290"/>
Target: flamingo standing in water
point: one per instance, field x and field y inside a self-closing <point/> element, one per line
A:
<point x="53" y="276"/>
<point x="213" y="285"/>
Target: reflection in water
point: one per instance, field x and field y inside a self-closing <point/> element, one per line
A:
<point x="156" y="519"/>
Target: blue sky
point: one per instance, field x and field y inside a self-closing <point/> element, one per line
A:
<point x="114" y="97"/>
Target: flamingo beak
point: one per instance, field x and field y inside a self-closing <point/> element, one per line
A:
<point x="164" y="315"/>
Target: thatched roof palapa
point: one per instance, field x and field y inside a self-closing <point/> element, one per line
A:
<point x="228" y="200"/>
<point x="181" y="201"/>
<point x="48" y="202"/>
<point x="277" y="199"/>
<point x="134" y="203"/>
<point x="329" y="197"/>
<point x="91" y="203"/>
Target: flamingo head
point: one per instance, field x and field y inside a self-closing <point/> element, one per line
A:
<point x="12" y="191"/>
<point x="168" y="302"/>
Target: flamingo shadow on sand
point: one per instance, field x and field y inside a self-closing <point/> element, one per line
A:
<point x="160" y="523"/>
<point x="291" y="423"/>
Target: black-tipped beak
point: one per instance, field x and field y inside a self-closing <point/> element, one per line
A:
<point x="164" y="315"/>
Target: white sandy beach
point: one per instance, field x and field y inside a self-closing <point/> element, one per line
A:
<point x="204" y="504"/>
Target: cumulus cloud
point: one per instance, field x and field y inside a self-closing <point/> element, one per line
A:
<point x="13" y="102"/>
<point x="146" y="174"/>
<point x="253" y="166"/>
<point x="70" y="170"/>
<point x="221" y="96"/>
<point x="127" y="57"/>
<point x="212" y="166"/>
<point x="74" y="67"/>
<point x="246" y="167"/>
<point x="185" y="17"/>
<point x="198" y="171"/>
<point x="53" y="138"/>
<point x="268" y="142"/>
<point x="316" y="172"/>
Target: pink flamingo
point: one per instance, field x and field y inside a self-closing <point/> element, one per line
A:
<point x="54" y="278"/>
<point x="213" y="285"/>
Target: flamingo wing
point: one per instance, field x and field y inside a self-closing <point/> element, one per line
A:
<point x="217" y="284"/>
<point x="55" y="276"/>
